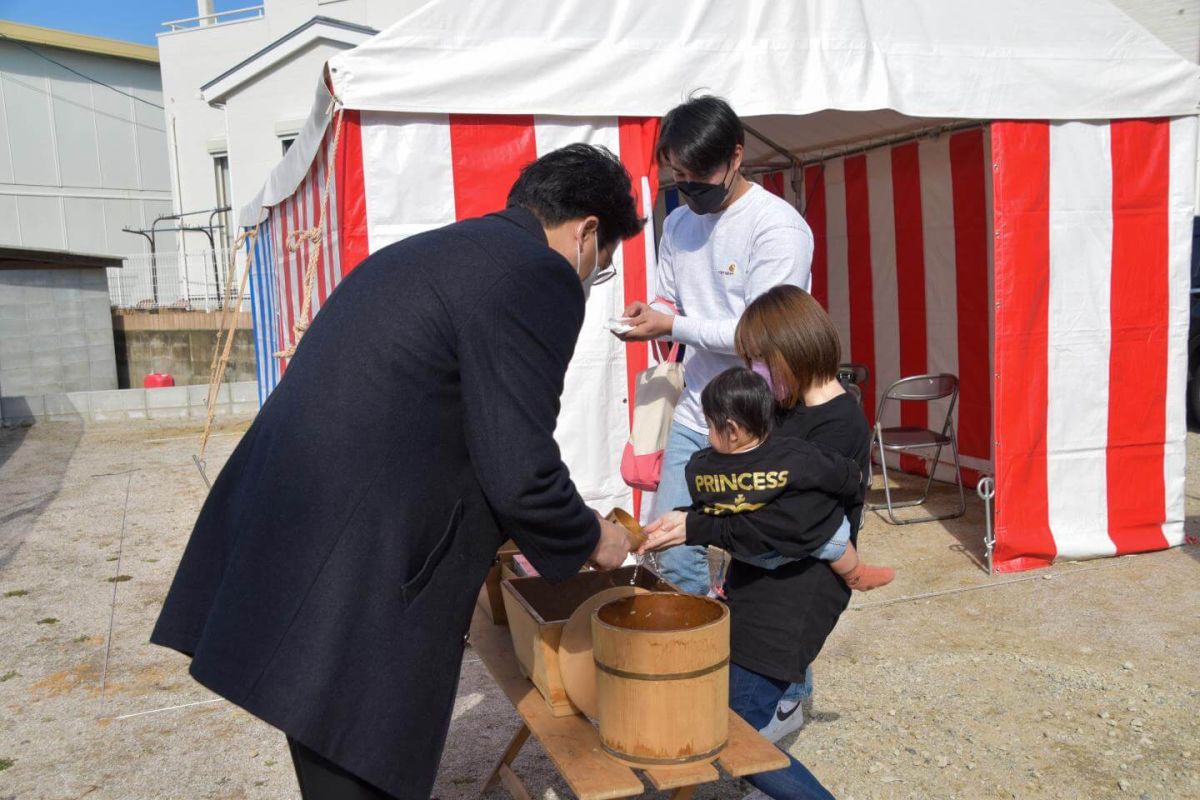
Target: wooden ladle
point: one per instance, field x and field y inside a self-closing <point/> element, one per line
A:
<point x="619" y="516"/>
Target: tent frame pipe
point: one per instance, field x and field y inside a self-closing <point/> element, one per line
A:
<point x="778" y="148"/>
<point x="911" y="136"/>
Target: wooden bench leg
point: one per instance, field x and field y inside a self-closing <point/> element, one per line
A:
<point x="511" y="782"/>
<point x="503" y="771"/>
<point x="683" y="793"/>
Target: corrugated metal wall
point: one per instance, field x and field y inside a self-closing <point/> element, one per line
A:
<point x="78" y="160"/>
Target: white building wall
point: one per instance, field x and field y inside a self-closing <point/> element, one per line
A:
<point x="79" y="161"/>
<point x="256" y="144"/>
<point x="255" y="115"/>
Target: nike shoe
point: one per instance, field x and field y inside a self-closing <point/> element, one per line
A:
<point x="788" y="718"/>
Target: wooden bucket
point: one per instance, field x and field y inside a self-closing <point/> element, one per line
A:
<point x="662" y="678"/>
<point x="537" y="613"/>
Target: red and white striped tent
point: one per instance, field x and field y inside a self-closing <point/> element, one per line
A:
<point x="1000" y="191"/>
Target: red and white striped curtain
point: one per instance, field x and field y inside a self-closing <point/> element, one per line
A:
<point x="1063" y="311"/>
<point x="1093" y="231"/>
<point x="1046" y="265"/>
<point x="424" y="172"/>
<point x="902" y="264"/>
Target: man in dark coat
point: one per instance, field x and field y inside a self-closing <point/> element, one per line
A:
<point x="329" y="582"/>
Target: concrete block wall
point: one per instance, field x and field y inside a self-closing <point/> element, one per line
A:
<point x="175" y="402"/>
<point x="55" y="332"/>
<point x="180" y="343"/>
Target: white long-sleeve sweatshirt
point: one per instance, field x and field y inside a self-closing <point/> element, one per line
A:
<point x="711" y="266"/>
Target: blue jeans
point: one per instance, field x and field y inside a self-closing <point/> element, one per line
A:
<point x="832" y="550"/>
<point x="799" y="692"/>
<point x="754" y="697"/>
<point x="686" y="566"/>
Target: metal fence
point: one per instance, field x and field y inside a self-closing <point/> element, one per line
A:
<point x="175" y="281"/>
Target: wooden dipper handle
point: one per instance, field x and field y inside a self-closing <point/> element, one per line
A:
<point x="633" y="530"/>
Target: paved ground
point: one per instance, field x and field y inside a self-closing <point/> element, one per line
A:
<point x="1078" y="681"/>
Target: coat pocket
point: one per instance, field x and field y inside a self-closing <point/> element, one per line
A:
<point x="413" y="587"/>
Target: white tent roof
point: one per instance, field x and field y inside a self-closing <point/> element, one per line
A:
<point x="1019" y="59"/>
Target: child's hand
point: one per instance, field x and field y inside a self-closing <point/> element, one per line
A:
<point x="667" y="531"/>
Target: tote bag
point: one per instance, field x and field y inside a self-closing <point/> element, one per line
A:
<point x="656" y="393"/>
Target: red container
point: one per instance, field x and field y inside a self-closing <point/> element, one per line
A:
<point x="157" y="380"/>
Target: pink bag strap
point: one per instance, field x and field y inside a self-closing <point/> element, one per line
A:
<point x="658" y="347"/>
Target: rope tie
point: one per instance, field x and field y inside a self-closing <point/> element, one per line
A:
<point x="228" y="325"/>
<point x="313" y="236"/>
<point x="223" y="349"/>
<point x="229" y="313"/>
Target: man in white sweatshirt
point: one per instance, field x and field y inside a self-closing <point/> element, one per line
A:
<point x="732" y="241"/>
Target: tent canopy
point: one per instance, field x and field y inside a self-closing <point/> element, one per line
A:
<point x="959" y="59"/>
<point x="801" y="73"/>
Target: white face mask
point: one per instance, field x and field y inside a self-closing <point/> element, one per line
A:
<point x="591" y="278"/>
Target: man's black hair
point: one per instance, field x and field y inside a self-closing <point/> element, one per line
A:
<point x="742" y="396"/>
<point x="700" y="135"/>
<point x="575" y="181"/>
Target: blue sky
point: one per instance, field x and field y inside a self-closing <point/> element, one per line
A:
<point x="129" y="20"/>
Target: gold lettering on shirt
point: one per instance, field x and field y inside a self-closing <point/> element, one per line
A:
<point x="738" y="506"/>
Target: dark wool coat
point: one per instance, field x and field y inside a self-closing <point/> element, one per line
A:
<point x="329" y="581"/>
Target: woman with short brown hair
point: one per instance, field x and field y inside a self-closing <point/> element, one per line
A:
<point x="781" y="617"/>
<point x="789" y="332"/>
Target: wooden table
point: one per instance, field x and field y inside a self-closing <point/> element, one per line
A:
<point x="573" y="743"/>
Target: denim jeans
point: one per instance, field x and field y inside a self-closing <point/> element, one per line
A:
<point x="686" y="566"/>
<point x="799" y="692"/>
<point x="754" y="697"/>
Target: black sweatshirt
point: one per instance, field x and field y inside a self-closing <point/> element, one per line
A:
<point x="781" y="618"/>
<point x="768" y="488"/>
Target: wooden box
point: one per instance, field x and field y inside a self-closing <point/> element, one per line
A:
<point x="490" y="598"/>
<point x="537" y="612"/>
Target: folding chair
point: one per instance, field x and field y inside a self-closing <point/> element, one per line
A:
<point x="907" y="438"/>
<point x="853" y="378"/>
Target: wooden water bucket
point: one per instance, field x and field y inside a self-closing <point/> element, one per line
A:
<point x="662" y="678"/>
<point x="537" y="612"/>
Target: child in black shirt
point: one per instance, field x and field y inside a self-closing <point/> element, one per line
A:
<point x="748" y="470"/>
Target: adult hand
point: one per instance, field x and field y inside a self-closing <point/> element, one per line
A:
<point x="647" y="323"/>
<point x="667" y="531"/>
<point x="613" y="546"/>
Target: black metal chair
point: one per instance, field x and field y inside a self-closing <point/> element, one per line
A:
<point x="854" y="377"/>
<point x="907" y="439"/>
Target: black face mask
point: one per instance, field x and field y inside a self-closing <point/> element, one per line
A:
<point x="704" y="198"/>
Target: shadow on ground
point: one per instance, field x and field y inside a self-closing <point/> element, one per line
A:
<point x="25" y="491"/>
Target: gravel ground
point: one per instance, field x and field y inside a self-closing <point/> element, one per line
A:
<point x="1077" y="681"/>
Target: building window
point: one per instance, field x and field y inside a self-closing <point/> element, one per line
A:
<point x="287" y="143"/>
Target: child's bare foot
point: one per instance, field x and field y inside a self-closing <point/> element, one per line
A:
<point x="864" y="577"/>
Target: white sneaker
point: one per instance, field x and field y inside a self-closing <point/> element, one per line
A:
<point x="785" y="720"/>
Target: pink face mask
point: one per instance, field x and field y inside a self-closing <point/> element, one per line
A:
<point x="761" y="369"/>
